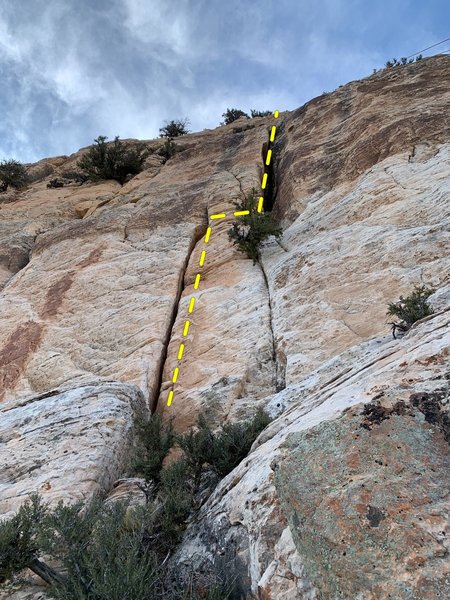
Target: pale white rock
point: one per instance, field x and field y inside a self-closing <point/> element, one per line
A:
<point x="351" y="252"/>
<point x="228" y="361"/>
<point x="66" y="445"/>
<point x="244" y="511"/>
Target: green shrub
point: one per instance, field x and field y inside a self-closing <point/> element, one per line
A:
<point x="12" y="173"/>
<point x="100" y="556"/>
<point x="410" y="309"/>
<point x="175" y="128"/>
<point x="19" y="539"/>
<point x="197" y="446"/>
<point x="223" y="450"/>
<point x="260" y="113"/>
<point x="176" y="493"/>
<point x="249" y="231"/>
<point x="232" y="114"/>
<point x="402" y="62"/>
<point x="104" y="558"/>
<point x="115" y="551"/>
<point x="167" y="150"/>
<point x="114" y="160"/>
<point x="233" y="442"/>
<point x="155" y="440"/>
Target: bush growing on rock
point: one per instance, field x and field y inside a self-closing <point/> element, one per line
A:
<point x="156" y="439"/>
<point x="114" y="160"/>
<point x="197" y="445"/>
<point x="175" y="128"/>
<point x="402" y="62"/>
<point x="223" y="450"/>
<point x="176" y="495"/>
<point x="19" y="544"/>
<point x="233" y="114"/>
<point x="12" y="174"/>
<point x="115" y="551"/>
<point x="410" y="309"/>
<point x="260" y="113"/>
<point x="233" y="443"/>
<point x="167" y="150"/>
<point x="203" y="449"/>
<point x="55" y="183"/>
<point x="102" y="553"/>
<point x="249" y="231"/>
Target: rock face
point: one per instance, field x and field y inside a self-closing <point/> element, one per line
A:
<point x="340" y="478"/>
<point x="358" y="517"/>
<point x="95" y="285"/>
<point x="67" y="444"/>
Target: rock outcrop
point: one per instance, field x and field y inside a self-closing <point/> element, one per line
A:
<point x="346" y="493"/>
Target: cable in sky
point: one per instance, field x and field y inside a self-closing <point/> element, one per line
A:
<point x="433" y="46"/>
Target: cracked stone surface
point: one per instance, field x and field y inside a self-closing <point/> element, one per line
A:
<point x="351" y="252"/>
<point x="98" y="295"/>
<point x="361" y="520"/>
<point x="252" y="509"/>
<point x="228" y="366"/>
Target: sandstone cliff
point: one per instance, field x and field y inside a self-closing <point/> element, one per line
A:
<point x="95" y="282"/>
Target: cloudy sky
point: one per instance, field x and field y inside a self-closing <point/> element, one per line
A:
<point x="71" y="70"/>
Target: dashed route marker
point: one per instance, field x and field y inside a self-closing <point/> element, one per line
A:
<point x="201" y="262"/>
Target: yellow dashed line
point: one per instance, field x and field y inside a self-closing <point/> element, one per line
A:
<point x="264" y="181"/>
<point x="238" y="213"/>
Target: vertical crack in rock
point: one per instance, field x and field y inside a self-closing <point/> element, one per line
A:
<point x="277" y="357"/>
<point x="199" y="232"/>
<point x="240" y="184"/>
<point x="270" y="194"/>
<point x="271" y="188"/>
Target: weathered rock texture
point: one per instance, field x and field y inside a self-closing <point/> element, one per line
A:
<point x="95" y="282"/>
<point x="332" y="486"/>
<point x="67" y="444"/>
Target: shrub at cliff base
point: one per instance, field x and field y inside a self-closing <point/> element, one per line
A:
<point x="116" y="551"/>
<point x="155" y="441"/>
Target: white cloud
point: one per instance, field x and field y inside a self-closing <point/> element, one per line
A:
<point x="163" y="25"/>
<point x="74" y="70"/>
